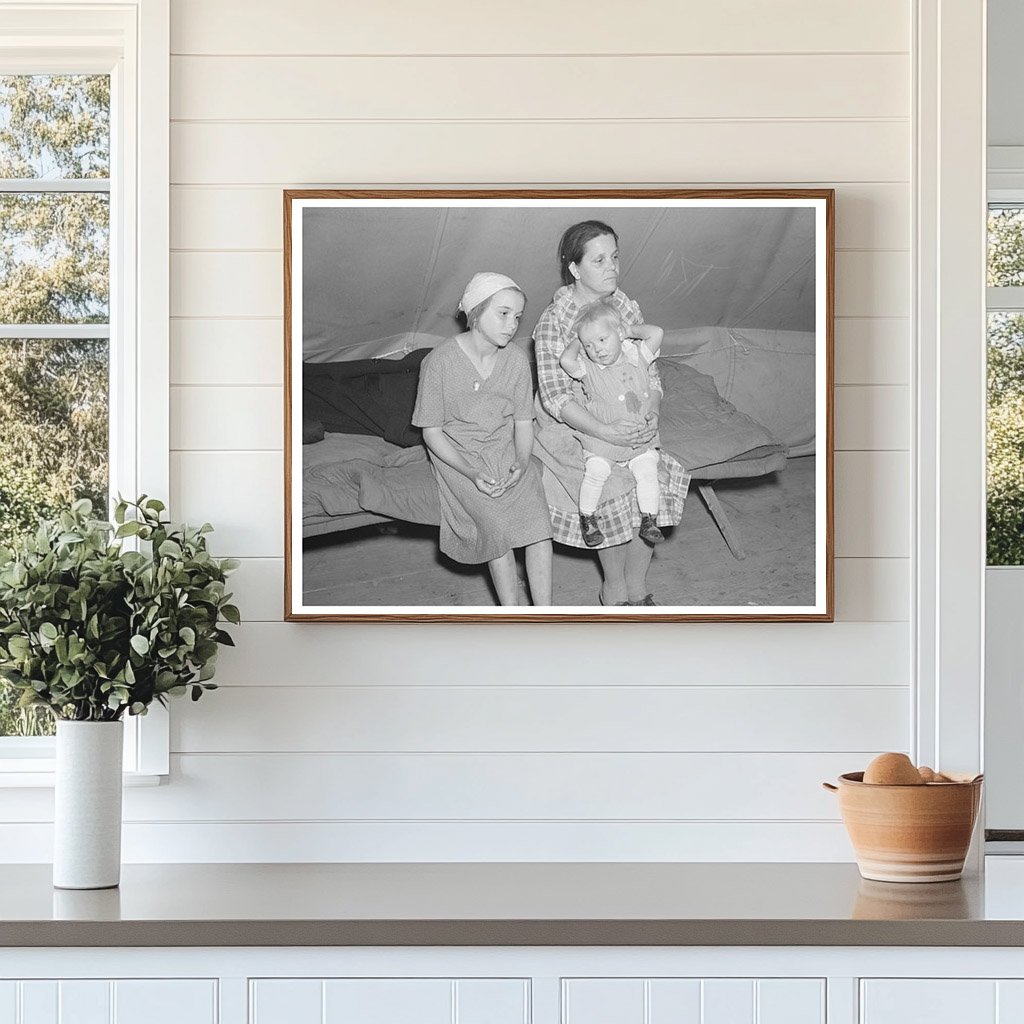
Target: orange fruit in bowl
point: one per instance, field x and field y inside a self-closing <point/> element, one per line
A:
<point x="892" y="770"/>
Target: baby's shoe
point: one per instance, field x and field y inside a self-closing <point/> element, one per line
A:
<point x="592" y="535"/>
<point x="649" y="529"/>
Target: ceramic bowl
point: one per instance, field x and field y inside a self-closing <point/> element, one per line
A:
<point x="909" y="833"/>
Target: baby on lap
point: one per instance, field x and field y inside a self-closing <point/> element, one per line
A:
<point x="612" y="368"/>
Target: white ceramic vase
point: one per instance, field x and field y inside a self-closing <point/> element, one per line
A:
<point x="87" y="805"/>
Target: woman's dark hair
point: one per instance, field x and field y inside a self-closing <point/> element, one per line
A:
<point x="574" y="244"/>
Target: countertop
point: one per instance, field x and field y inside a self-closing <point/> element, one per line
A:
<point x="515" y="904"/>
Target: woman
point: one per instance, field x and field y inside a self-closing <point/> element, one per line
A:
<point x="589" y="257"/>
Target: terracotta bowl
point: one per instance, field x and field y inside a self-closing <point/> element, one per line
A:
<point x="909" y="833"/>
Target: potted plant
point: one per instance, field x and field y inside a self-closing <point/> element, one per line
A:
<point x="93" y="631"/>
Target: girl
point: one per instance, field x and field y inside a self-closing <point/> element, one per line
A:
<point x="475" y="407"/>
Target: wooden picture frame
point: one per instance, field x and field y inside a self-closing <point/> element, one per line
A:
<point x="743" y="280"/>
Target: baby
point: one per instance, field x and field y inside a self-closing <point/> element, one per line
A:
<point x="613" y="371"/>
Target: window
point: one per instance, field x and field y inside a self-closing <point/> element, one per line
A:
<point x="84" y="124"/>
<point x="1005" y="478"/>
<point x="54" y="309"/>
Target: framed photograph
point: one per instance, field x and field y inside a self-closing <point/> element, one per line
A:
<point x="563" y="405"/>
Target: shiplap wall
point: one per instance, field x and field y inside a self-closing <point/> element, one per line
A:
<point x="668" y="741"/>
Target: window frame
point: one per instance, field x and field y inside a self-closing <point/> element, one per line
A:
<point x="130" y="41"/>
<point x="1002" y="709"/>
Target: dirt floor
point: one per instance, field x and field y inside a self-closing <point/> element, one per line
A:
<point x="399" y="564"/>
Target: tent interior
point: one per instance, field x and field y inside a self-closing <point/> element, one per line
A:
<point x="735" y="288"/>
<point x="372" y="275"/>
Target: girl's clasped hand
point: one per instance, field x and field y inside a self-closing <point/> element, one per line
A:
<point x="496" y="488"/>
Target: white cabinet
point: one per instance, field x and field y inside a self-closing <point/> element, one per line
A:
<point x="937" y="1001"/>
<point x="513" y="985"/>
<point x="389" y="1001"/>
<point x="103" y="1001"/>
<point x="693" y="1001"/>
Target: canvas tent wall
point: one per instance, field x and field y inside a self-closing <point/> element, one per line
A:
<point x="731" y="286"/>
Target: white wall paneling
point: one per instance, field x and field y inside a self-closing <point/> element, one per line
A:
<point x="213" y="417"/>
<point x="239" y="492"/>
<point x="872" y="493"/>
<point x="259" y="88"/>
<point x="207" y="284"/>
<point x="506" y="786"/>
<point x="405" y="27"/>
<point x="731" y="152"/>
<point x="872" y="589"/>
<point x="258" y="588"/>
<point x="487" y="839"/>
<point x="872" y="350"/>
<point x="872" y="283"/>
<point x="228" y="842"/>
<point x="389" y="742"/>
<point x="246" y="352"/>
<point x="668" y="717"/>
<point x="846" y="654"/>
<point x="870" y="418"/>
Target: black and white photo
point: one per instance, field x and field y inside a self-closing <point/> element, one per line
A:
<point x="558" y="405"/>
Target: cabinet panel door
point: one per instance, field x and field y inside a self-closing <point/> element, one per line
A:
<point x="728" y="1001"/>
<point x="603" y="1001"/>
<point x="84" y="1002"/>
<point x="149" y="1001"/>
<point x="286" y="1001"/>
<point x="693" y="1001"/>
<point x="675" y="1001"/>
<point x="387" y="1001"/>
<point x="8" y="1002"/>
<point x="936" y="1001"/>
<point x="790" y="1001"/>
<point x="38" y="1002"/>
<point x="1009" y="1002"/>
<point x="491" y="1001"/>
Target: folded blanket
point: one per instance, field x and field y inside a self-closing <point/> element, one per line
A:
<point x="698" y="426"/>
<point x="347" y="473"/>
<point x="364" y="396"/>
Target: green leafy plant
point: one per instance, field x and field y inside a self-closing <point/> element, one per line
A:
<point x="90" y="630"/>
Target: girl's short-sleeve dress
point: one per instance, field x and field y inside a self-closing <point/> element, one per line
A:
<point x="478" y="417"/>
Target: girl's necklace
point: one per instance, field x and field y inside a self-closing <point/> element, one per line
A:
<point x="483" y="369"/>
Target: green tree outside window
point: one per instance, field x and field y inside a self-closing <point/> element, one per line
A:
<point x="54" y="277"/>
<point x="1005" y="478"/>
